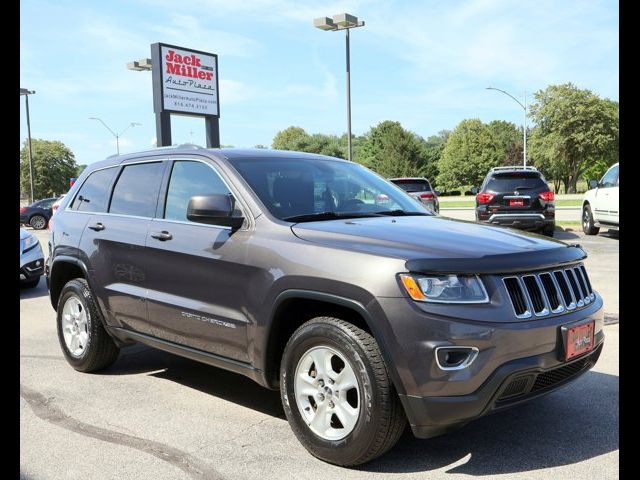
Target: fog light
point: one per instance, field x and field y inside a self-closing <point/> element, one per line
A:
<point x="455" y="358"/>
<point x="38" y="263"/>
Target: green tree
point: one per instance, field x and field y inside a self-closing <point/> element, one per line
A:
<point x="79" y="170"/>
<point x="574" y="129"/>
<point x="53" y="166"/>
<point x="392" y="151"/>
<point x="471" y="150"/>
<point x="431" y="152"/>
<point x="509" y="141"/>
<point x="290" y="138"/>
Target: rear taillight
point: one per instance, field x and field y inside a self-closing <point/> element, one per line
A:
<point x="55" y="207"/>
<point x="50" y="226"/>
<point x="23" y="209"/>
<point x="484" y="197"/>
<point x="547" y="196"/>
<point x="427" y="195"/>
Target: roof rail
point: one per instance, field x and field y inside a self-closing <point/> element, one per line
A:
<point x="515" y="167"/>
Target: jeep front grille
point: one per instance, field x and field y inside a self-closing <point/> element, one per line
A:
<point x="543" y="293"/>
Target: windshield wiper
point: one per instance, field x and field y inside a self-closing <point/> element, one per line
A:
<point x="523" y="187"/>
<point x="319" y="216"/>
<point x="401" y="213"/>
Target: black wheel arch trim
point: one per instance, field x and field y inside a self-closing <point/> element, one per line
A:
<point x="349" y="303"/>
<point x="65" y="259"/>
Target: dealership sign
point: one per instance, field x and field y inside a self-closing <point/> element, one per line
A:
<point x="188" y="81"/>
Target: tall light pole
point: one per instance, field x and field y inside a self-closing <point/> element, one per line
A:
<point x="117" y="135"/>
<point x="26" y="92"/>
<point x="525" y="118"/>
<point x="343" y="21"/>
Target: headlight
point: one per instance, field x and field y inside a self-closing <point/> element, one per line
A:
<point x="445" y="288"/>
<point x="29" y="242"/>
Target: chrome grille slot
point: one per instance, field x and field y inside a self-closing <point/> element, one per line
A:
<point x="583" y="287"/>
<point x="535" y="295"/>
<point x="592" y="296"/>
<point x="518" y="299"/>
<point x="574" y="286"/>
<point x="550" y="292"/>
<point x="567" y="297"/>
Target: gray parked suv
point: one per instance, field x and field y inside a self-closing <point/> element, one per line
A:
<point x="315" y="276"/>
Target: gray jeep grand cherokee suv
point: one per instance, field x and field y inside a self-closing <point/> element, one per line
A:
<point x="318" y="277"/>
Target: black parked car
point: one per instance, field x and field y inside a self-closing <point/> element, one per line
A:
<point x="37" y="214"/>
<point x="315" y="276"/>
<point x="517" y="197"/>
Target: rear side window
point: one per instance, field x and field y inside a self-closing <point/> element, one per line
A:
<point x="510" y="182"/>
<point x="136" y="191"/>
<point x="94" y="192"/>
<point x="413" y="185"/>
<point x="187" y="180"/>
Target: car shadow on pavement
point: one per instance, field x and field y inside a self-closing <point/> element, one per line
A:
<point x="35" y="292"/>
<point x="565" y="235"/>
<point x="573" y="424"/>
<point x="205" y="378"/>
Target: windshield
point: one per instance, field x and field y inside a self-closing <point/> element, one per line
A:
<point x="413" y="185"/>
<point x="322" y="189"/>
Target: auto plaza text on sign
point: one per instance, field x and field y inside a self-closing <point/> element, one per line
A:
<point x="189" y="81"/>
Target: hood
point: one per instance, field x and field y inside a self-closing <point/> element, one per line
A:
<point x="437" y="244"/>
<point x="24" y="234"/>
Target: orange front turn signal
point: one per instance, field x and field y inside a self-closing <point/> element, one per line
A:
<point x="412" y="287"/>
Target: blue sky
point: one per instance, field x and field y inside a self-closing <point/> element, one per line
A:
<point x="423" y="63"/>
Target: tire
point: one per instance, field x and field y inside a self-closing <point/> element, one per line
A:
<point x="380" y="419"/>
<point x="30" y="283"/>
<point x="548" y="230"/>
<point x="95" y="350"/>
<point x="38" y="222"/>
<point x="588" y="225"/>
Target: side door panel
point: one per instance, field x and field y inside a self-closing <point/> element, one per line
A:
<point x="197" y="279"/>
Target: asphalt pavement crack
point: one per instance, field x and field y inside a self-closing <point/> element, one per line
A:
<point x="43" y="409"/>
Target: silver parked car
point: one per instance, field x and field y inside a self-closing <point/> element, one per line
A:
<point x="420" y="189"/>
<point x="31" y="260"/>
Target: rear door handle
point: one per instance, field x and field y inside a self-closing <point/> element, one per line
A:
<point x="162" y="236"/>
<point x="97" y="227"/>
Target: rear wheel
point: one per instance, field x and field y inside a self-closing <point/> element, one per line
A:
<point x="548" y="230"/>
<point x="337" y="394"/>
<point x="588" y="225"/>
<point x="85" y="343"/>
<point x="38" y="222"/>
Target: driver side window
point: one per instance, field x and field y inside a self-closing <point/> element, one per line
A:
<point x="610" y="178"/>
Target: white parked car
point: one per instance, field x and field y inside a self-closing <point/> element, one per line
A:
<point x="600" y="203"/>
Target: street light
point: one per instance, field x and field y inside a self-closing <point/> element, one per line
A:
<point x="117" y="135"/>
<point x="343" y="21"/>
<point x="139" y="65"/>
<point x="525" y="118"/>
<point x="26" y="92"/>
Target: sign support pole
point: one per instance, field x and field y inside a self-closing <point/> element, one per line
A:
<point x="212" y="125"/>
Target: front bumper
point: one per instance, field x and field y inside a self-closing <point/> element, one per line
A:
<point x="529" y="353"/>
<point x="31" y="263"/>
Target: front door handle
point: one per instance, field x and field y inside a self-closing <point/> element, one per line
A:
<point x="97" y="227"/>
<point x="162" y="236"/>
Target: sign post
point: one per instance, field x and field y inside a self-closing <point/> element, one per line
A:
<point x="185" y="82"/>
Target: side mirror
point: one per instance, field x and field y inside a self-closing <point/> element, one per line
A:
<point x="214" y="210"/>
<point x="593" y="184"/>
<point x="474" y="190"/>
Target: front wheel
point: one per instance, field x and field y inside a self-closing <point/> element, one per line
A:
<point x="588" y="225"/>
<point x="337" y="394"/>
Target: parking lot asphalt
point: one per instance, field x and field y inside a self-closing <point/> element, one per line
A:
<point x="155" y="415"/>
